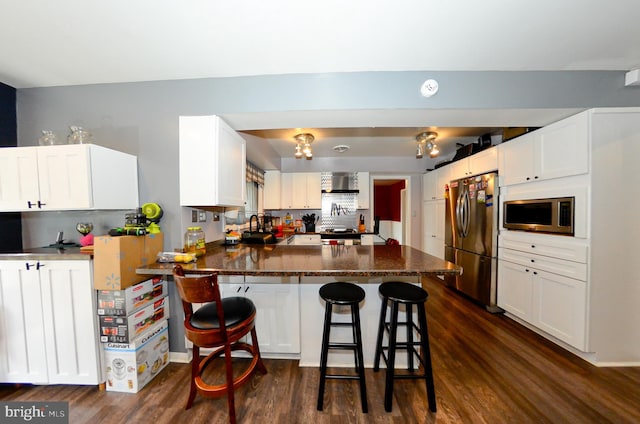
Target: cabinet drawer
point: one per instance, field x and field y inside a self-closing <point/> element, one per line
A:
<point x="558" y="247"/>
<point x="554" y="265"/>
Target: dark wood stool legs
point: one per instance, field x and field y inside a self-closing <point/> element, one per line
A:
<point x="393" y="295"/>
<point x="339" y="293"/>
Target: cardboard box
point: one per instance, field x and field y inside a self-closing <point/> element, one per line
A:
<point x="124" y="329"/>
<point x="130" y="366"/>
<point x="115" y="259"/>
<point x="125" y="302"/>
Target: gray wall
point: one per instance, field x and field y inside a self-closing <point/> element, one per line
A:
<point x="142" y="119"/>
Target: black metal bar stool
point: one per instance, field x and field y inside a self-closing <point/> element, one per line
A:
<point x="407" y="294"/>
<point x="346" y="294"/>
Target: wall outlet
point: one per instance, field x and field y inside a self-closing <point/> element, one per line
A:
<point x="194" y="215"/>
<point x="216" y="217"/>
<point x="202" y="216"/>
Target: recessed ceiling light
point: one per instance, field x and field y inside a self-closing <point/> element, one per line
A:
<point x="341" y="148"/>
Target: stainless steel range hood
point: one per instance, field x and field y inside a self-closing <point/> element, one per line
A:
<point x="339" y="182"/>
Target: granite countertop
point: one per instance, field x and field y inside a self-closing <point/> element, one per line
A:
<point x="47" y="254"/>
<point x="296" y="260"/>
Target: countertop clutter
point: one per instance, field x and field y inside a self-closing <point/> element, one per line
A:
<point x="308" y="260"/>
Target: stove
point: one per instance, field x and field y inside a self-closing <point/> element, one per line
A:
<point x="340" y="236"/>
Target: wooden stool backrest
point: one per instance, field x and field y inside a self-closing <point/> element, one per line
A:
<point x="198" y="287"/>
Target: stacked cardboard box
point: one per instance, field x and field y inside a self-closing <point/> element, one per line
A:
<point x="130" y="366"/>
<point x="117" y="258"/>
<point x="134" y="333"/>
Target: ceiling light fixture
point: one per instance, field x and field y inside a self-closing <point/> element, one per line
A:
<point x="341" y="148"/>
<point x="426" y="144"/>
<point x="303" y="145"/>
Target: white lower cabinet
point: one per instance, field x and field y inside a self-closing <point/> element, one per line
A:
<point x="554" y="302"/>
<point x="433" y="222"/>
<point x="48" y="323"/>
<point x="277" y="311"/>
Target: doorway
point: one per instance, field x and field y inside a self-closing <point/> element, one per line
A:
<point x="391" y="202"/>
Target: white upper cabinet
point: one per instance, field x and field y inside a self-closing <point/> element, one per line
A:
<point x="272" y="183"/>
<point x="558" y="150"/>
<point x="67" y="177"/>
<point x="212" y="163"/>
<point x="479" y="163"/>
<point x="434" y="183"/>
<point x="301" y="190"/>
<point x="363" y="189"/>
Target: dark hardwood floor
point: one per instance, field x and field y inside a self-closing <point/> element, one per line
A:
<point x="487" y="369"/>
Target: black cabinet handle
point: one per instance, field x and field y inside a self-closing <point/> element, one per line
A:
<point x="40" y="204"/>
<point x="532" y="260"/>
<point x="39" y="265"/>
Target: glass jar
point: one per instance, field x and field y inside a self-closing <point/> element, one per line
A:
<point x="79" y="136"/>
<point x="48" y="138"/>
<point x="194" y="241"/>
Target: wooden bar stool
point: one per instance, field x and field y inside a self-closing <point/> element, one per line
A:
<point x="351" y="295"/>
<point x="220" y="323"/>
<point x="397" y="293"/>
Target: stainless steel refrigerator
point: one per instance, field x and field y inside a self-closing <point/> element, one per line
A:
<point x="471" y="237"/>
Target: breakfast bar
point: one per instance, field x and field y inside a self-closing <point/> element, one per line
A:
<point x="284" y="280"/>
<point x="303" y="260"/>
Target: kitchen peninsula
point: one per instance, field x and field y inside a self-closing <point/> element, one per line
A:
<point x="326" y="260"/>
<point x="283" y="281"/>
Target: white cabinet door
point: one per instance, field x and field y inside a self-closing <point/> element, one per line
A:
<point x="70" y="322"/>
<point x="435" y="182"/>
<point x="558" y="150"/>
<point x="483" y="162"/>
<point x="553" y="303"/>
<point x="272" y="181"/>
<point x="19" y="187"/>
<point x="564" y="148"/>
<point x="429" y="184"/>
<point x="517" y="159"/>
<point x="301" y="190"/>
<point x="459" y="169"/>
<point x="434" y="223"/>
<point x="560" y="307"/>
<point x="212" y="163"/>
<point x="67" y="177"/>
<point x="476" y="164"/>
<point x="49" y="323"/>
<point x="515" y="289"/>
<point x="277" y="310"/>
<point x="314" y="190"/>
<point x="278" y="314"/>
<point x="22" y="342"/>
<point x="363" y="191"/>
<point x="286" y="194"/>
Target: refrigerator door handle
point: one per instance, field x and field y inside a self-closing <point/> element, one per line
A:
<point x="459" y="213"/>
<point x="467" y="213"/>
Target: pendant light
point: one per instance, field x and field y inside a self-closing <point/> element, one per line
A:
<point x="303" y="145"/>
<point x="425" y="142"/>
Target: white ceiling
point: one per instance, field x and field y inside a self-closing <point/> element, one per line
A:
<point x="72" y="42"/>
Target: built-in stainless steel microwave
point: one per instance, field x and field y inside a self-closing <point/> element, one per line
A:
<point x="553" y="215"/>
